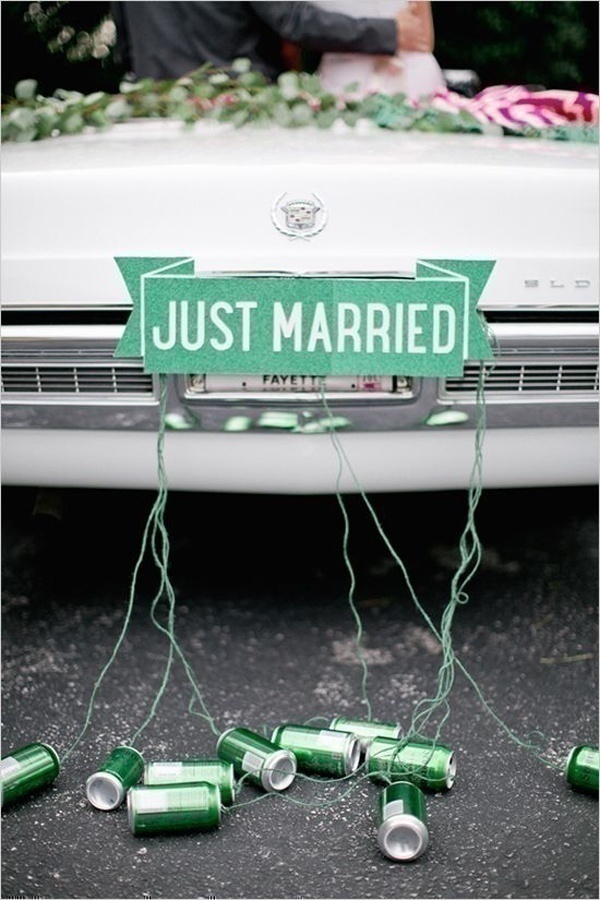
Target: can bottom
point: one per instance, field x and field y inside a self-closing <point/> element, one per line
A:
<point x="451" y="771"/>
<point x="403" y="838"/>
<point x="352" y="758"/>
<point x="279" y="771"/>
<point x="104" y="791"/>
<point x="130" y="812"/>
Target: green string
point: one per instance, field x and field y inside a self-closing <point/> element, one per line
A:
<point x="470" y="558"/>
<point x="160" y="552"/>
<point x="125" y="626"/>
<point x="155" y="533"/>
<point x="349" y="567"/>
<point x="160" y="558"/>
<point x="357" y="781"/>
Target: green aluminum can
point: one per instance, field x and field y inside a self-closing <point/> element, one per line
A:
<point x="27" y="769"/>
<point x="189" y="771"/>
<point x="321" y="751"/>
<point x="271" y="767"/>
<point x="158" y="808"/>
<point x="429" y="765"/>
<point x="107" y="787"/>
<point x="402" y="833"/>
<point x="366" y="730"/>
<point x="582" y="768"/>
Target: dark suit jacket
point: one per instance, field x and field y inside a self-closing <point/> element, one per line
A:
<point x="167" y="40"/>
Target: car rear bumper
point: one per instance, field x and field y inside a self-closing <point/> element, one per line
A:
<point x="438" y="459"/>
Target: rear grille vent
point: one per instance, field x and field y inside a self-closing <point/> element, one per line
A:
<point x="14" y="353"/>
<point x="541" y="379"/>
<point x="72" y="381"/>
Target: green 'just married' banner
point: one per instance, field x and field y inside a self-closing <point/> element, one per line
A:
<point x="183" y="321"/>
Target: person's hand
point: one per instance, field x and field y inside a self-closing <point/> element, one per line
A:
<point x="415" y="27"/>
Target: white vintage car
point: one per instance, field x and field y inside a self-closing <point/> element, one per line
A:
<point x="279" y="207"/>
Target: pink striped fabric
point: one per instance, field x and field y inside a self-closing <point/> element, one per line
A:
<point x="518" y="107"/>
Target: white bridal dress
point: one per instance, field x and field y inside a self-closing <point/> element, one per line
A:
<point x="415" y="74"/>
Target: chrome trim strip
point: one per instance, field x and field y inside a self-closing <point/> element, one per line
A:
<point x="62" y="333"/>
<point x="511" y="332"/>
<point x="537" y="337"/>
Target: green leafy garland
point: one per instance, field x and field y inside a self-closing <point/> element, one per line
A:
<point x="238" y="96"/>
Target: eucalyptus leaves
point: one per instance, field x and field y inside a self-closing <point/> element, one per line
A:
<point x="239" y="96"/>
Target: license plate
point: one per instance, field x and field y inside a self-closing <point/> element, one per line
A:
<point x="292" y="384"/>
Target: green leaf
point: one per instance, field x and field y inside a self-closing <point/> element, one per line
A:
<point x="118" y="109"/>
<point x="25" y="135"/>
<point x="289" y="85"/>
<point x="282" y="115"/>
<point x="219" y="78"/>
<point x="311" y="83"/>
<point x="204" y="90"/>
<point x="240" y="65"/>
<point x="425" y="126"/>
<point x="446" y="122"/>
<point x="26" y="89"/>
<point x="350" y="116"/>
<point x="268" y="97"/>
<point x="325" y="118"/>
<point x="179" y="111"/>
<point x="178" y="94"/>
<point x="94" y="98"/>
<point x="68" y="97"/>
<point x="129" y="87"/>
<point x="20" y="125"/>
<point x="302" y="114"/>
<point x="251" y="79"/>
<point x="371" y="105"/>
<point x="47" y="121"/>
<point x="263" y="119"/>
<point x="22" y="118"/>
<point x="72" y="124"/>
<point x="98" y="119"/>
<point x="239" y="117"/>
<point x="150" y="104"/>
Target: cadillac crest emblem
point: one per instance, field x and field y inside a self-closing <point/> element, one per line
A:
<point x="299" y="217"/>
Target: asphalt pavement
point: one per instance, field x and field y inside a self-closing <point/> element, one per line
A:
<point x="262" y="616"/>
